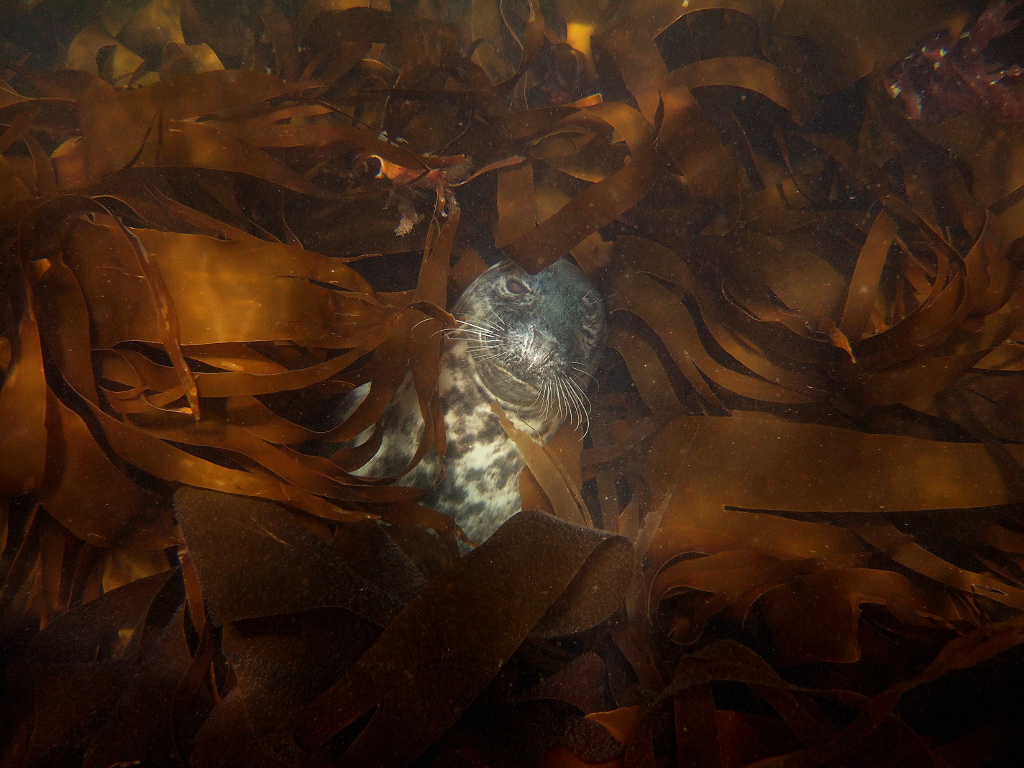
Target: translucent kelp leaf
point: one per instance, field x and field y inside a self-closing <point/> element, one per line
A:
<point x="166" y="319"/>
<point x="273" y="298"/>
<point x="517" y="204"/>
<point x="160" y="457"/>
<point x="999" y="166"/>
<point x="860" y="298"/>
<point x="618" y="724"/>
<point x="652" y="17"/>
<point x="424" y="336"/>
<point x="153" y="26"/>
<point x="12" y="187"/>
<point x="45" y="174"/>
<point x="861" y="35"/>
<point x="191" y="145"/>
<point x="903" y="474"/>
<point x="124" y="565"/>
<point x="751" y="74"/>
<point x="90" y="496"/>
<point x="237" y="383"/>
<point x="789" y="268"/>
<point x="95" y="44"/>
<point x="5" y="525"/>
<point x="23" y="412"/>
<point x="665" y="314"/>
<point x="349" y="19"/>
<point x="169" y="462"/>
<point x="646" y="370"/>
<point x="120" y="127"/>
<point x="642" y="69"/>
<point x="597" y="206"/>
<point x="642" y="258"/>
<point x="912" y="555"/>
<point x="832" y="601"/>
<point x="180" y="60"/>
<point x="947" y="475"/>
<point x="227" y="738"/>
<point x="579" y="154"/>
<point x="561" y="492"/>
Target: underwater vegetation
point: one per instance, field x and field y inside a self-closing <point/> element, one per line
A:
<point x="794" y="532"/>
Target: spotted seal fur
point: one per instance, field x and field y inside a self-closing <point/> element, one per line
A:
<point x="531" y="342"/>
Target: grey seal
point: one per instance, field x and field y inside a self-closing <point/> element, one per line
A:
<point x="531" y="342"/>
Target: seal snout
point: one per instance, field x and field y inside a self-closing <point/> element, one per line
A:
<point x="539" y="348"/>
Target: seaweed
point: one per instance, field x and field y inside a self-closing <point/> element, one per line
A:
<point x="792" y="534"/>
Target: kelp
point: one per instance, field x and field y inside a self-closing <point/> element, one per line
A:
<point x="792" y="532"/>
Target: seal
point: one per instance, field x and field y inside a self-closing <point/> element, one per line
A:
<point x="529" y="342"/>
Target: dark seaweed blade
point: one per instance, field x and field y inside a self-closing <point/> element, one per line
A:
<point x="444" y="667"/>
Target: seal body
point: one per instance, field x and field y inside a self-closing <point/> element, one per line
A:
<point x="529" y="342"/>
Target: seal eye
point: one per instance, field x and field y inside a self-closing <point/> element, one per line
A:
<point x="516" y="287"/>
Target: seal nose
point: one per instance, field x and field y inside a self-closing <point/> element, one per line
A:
<point x="540" y="347"/>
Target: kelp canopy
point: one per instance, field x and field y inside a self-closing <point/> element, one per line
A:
<point x="793" y="535"/>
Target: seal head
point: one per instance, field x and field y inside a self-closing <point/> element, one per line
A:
<point x="533" y="341"/>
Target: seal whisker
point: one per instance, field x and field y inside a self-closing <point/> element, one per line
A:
<point x="582" y="403"/>
<point x="563" y="402"/>
<point x="584" y="399"/>
<point x="477" y="332"/>
<point x="551" y="400"/>
<point x="586" y="406"/>
<point x="465" y="328"/>
<point x="473" y="341"/>
<point x="578" y="408"/>
<point x="469" y="333"/>
<point x="579" y="367"/>
<point x="556" y="398"/>
<point x="564" y="398"/>
<point x="484" y="328"/>
<point x="543" y="398"/>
